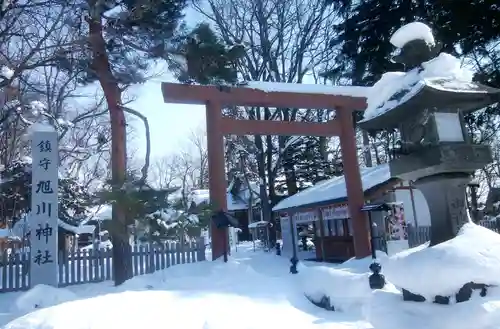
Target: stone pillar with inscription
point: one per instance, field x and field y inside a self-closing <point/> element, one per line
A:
<point x="43" y="219"/>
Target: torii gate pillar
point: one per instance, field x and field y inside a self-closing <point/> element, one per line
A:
<point x="214" y="98"/>
<point x="217" y="183"/>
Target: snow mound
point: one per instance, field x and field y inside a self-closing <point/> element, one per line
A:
<point x="472" y="256"/>
<point x="444" y="66"/>
<point x="41" y="296"/>
<point x="346" y="286"/>
<point x="388" y="311"/>
<point x="362" y="265"/>
<point x="410" y="32"/>
<point x="345" y="289"/>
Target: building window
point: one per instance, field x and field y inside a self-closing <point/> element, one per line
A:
<point x="339" y="223"/>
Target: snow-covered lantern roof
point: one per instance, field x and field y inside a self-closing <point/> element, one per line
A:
<point x="434" y="86"/>
<point x="426" y="105"/>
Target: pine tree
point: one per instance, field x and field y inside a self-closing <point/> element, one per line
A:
<point x="365" y="50"/>
<point x="15" y="194"/>
<point x="205" y="59"/>
<point x="310" y="165"/>
<point x="124" y="37"/>
<point x="156" y="218"/>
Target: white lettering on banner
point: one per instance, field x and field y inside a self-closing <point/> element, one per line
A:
<point x="305" y="217"/>
<point x="43" y="220"/>
<point x="335" y="213"/>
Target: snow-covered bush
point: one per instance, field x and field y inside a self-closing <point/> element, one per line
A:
<point x="169" y="224"/>
<point x="155" y="218"/>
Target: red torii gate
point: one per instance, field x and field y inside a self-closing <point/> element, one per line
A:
<point x="215" y="98"/>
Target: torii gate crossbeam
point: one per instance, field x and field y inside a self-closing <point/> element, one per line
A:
<point x="215" y="98"/>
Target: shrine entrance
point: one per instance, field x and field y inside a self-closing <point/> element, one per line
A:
<point x="215" y="98"/>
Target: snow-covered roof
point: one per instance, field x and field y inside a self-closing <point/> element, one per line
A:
<point x="445" y="73"/>
<point x="335" y="188"/>
<point x="258" y="224"/>
<point x="233" y="203"/>
<point x="99" y="213"/>
<point x="354" y="91"/>
<point x="81" y="229"/>
<point x="21" y="227"/>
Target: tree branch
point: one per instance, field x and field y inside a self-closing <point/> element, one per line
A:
<point x="145" y="167"/>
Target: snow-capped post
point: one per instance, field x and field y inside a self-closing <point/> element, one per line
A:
<point x="44" y="205"/>
<point x="426" y="105"/>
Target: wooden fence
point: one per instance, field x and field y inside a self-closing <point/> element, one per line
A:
<point x="89" y="266"/>
<point x="422" y="234"/>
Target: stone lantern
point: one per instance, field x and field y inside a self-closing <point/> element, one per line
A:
<point x="435" y="152"/>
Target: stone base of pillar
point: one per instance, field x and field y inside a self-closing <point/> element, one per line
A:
<point x="463" y="295"/>
<point x="446" y="198"/>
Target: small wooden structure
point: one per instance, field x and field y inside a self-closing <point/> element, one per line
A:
<point x="324" y="210"/>
<point x="280" y="95"/>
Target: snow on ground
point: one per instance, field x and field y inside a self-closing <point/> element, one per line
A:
<point x="388" y="311"/>
<point x="253" y="290"/>
<point x="42" y="296"/>
<point x="346" y="285"/>
<point x="472" y="256"/>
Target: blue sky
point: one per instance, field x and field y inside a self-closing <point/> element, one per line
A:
<point x="170" y="124"/>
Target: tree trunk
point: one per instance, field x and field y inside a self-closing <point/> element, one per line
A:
<point x="264" y="199"/>
<point x="122" y="253"/>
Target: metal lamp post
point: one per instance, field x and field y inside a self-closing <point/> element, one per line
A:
<point x="376" y="279"/>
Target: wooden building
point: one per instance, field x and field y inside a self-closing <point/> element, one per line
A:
<point x="319" y="217"/>
<point x="243" y="202"/>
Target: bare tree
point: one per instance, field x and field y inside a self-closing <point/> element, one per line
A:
<point x="165" y="172"/>
<point x="285" y="42"/>
<point x="187" y="169"/>
<point x="199" y="155"/>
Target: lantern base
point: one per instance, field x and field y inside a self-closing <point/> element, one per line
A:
<point x="463" y="295"/>
<point x="441" y="159"/>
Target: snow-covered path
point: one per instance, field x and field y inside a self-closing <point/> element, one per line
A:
<point x="253" y="290"/>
